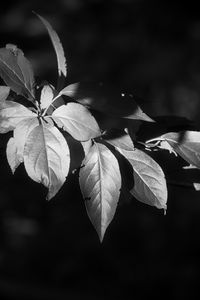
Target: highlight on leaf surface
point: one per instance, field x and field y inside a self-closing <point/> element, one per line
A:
<point x="47" y="95"/>
<point x="11" y="113"/>
<point x="149" y="180"/>
<point x="77" y="121"/>
<point x="100" y="183"/>
<point x="16" y="71"/>
<point x="47" y="160"/>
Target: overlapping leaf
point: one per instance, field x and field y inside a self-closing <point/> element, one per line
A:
<point x="149" y="179"/>
<point x="104" y="99"/>
<point x="76" y="120"/>
<point x="46" y="157"/>
<point x="11" y="113"/>
<point x="16" y="71"/>
<point x="123" y="142"/>
<point x="186" y="144"/>
<point x="100" y="183"/>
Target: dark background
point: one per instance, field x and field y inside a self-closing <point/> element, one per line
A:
<point x="49" y="250"/>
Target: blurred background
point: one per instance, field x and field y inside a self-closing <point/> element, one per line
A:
<point x="50" y="250"/>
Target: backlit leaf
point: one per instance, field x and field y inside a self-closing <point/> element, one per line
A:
<point x="100" y="183"/>
<point x="76" y="120"/>
<point x="186" y="144"/>
<point x="4" y="92"/>
<point x="61" y="60"/>
<point x="16" y="71"/>
<point x="11" y="113"/>
<point x="149" y="179"/>
<point x="46" y="157"/>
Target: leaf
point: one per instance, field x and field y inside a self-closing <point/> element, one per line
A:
<point x="16" y="71"/>
<point x="11" y="153"/>
<point x="149" y="179"/>
<point x="4" y="92"/>
<point x="105" y="99"/>
<point x="11" y="113"/>
<point x="123" y="142"/>
<point x="61" y="60"/>
<point x="47" y="95"/>
<point x="46" y="157"/>
<point x="196" y="186"/>
<point x="100" y="183"/>
<point x="77" y="121"/>
<point x="186" y="144"/>
<point x="21" y="132"/>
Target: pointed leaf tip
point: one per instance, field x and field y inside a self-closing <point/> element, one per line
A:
<point x="100" y="183"/>
<point x="61" y="60"/>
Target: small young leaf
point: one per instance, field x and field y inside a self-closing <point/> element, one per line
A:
<point x="186" y="144"/>
<point x="61" y="60"/>
<point x="11" y="153"/>
<point x="11" y="113"/>
<point x="77" y="121"/>
<point x="4" y="92"/>
<point x="47" y="95"/>
<point x="149" y="179"/>
<point x="100" y="183"/>
<point x="16" y="71"/>
<point x="46" y="157"/>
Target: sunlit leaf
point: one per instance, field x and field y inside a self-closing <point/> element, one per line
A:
<point x="46" y="157"/>
<point x="47" y="95"/>
<point x="76" y="120"/>
<point x="11" y="153"/>
<point x="21" y="132"/>
<point x="149" y="179"/>
<point x="11" y="113"/>
<point x="100" y="183"/>
<point x="61" y="60"/>
<point x="16" y="71"/>
<point x="123" y="142"/>
<point x="186" y="144"/>
<point x="4" y="92"/>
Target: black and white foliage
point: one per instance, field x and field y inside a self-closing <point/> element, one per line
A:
<point x="40" y="125"/>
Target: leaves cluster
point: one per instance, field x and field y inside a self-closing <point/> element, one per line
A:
<point x="52" y="116"/>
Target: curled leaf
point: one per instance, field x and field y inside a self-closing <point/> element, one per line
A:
<point x="186" y="144"/>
